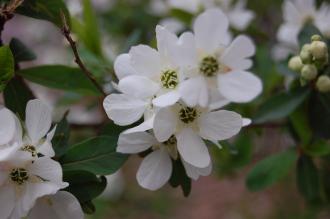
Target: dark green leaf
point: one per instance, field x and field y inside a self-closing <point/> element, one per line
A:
<point x="308" y="179"/>
<point x="307" y="32"/>
<point x="270" y="170"/>
<point x="300" y="124"/>
<point x="318" y="148"/>
<point x="319" y="114"/>
<point x="183" y="16"/>
<point x="84" y="185"/>
<point x="16" y="96"/>
<point x="88" y="207"/>
<point x="20" y="51"/>
<point x="180" y="178"/>
<point x="7" y="66"/>
<point x="97" y="155"/>
<point x="60" y="77"/>
<point x="49" y="10"/>
<point x="61" y="137"/>
<point x="281" y="105"/>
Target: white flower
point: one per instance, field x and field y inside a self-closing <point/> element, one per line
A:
<point x="148" y="79"/>
<point x="156" y="168"/>
<point x="23" y="181"/>
<point x="217" y="66"/>
<point x="191" y="125"/>
<point x="62" y="205"/>
<point x="7" y="126"/>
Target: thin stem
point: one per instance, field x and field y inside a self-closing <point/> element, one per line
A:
<point x="67" y="34"/>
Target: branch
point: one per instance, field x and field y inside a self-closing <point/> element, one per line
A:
<point x="67" y="34"/>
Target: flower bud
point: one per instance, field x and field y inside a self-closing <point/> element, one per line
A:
<point x="319" y="50"/>
<point x="323" y="84"/>
<point x="295" y="64"/>
<point x="316" y="37"/>
<point x="309" y="72"/>
<point x="305" y="54"/>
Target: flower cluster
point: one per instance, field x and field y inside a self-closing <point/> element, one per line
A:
<point x="179" y="89"/>
<point x="313" y="58"/>
<point x="30" y="180"/>
<point x="296" y="14"/>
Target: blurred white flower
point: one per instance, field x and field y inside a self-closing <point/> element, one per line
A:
<point x="7" y="126"/>
<point x="62" y="205"/>
<point x="115" y="186"/>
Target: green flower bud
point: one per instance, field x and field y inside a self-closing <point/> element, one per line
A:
<point x="316" y="37"/>
<point x="305" y="54"/>
<point x="309" y="72"/>
<point x="319" y="50"/>
<point x="295" y="64"/>
<point x="323" y="84"/>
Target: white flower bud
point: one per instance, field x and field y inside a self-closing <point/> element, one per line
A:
<point x="309" y="72"/>
<point x="295" y="64"/>
<point x="305" y="54"/>
<point x="323" y="84"/>
<point x="319" y="50"/>
<point x="316" y="37"/>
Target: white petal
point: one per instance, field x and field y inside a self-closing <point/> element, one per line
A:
<point x="7" y="126"/>
<point x="145" y="126"/>
<point x="165" y="40"/>
<point x="62" y="205"/>
<point x="211" y="21"/>
<point x="288" y="34"/>
<point x="7" y="200"/>
<point x="194" y="92"/>
<point x="38" y="120"/>
<point x="217" y="101"/>
<point x="239" y="17"/>
<point x="246" y="122"/>
<point x="172" y="24"/>
<point x="138" y="86"/>
<point x="192" y="148"/>
<point x="237" y="54"/>
<point x="166" y="99"/>
<point x="219" y="125"/>
<point x="240" y="86"/>
<point x="135" y="142"/>
<point x="155" y="170"/>
<point x="122" y="66"/>
<point x="195" y="172"/>
<point x="47" y="148"/>
<point x="145" y="60"/>
<point x="165" y="124"/>
<point x="124" y="109"/>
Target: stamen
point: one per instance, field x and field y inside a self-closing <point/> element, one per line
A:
<point x="31" y="149"/>
<point x="169" y="79"/>
<point x="209" y="66"/>
<point x="188" y="115"/>
<point x="19" y="175"/>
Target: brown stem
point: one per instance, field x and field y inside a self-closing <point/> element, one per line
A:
<point x="67" y="34"/>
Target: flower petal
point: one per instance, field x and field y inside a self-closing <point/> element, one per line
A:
<point x="194" y="92"/>
<point x="135" y="142"/>
<point x="38" y="120"/>
<point x="7" y="126"/>
<point x="145" y="60"/>
<point x="155" y="170"/>
<point x="239" y="86"/>
<point x="7" y="200"/>
<point x="192" y="148"/>
<point x="124" y="109"/>
<point x="166" y="99"/>
<point x="47" y="148"/>
<point x="237" y="54"/>
<point x="195" y="172"/>
<point x="165" y="41"/>
<point x="211" y="21"/>
<point x="123" y="67"/>
<point x="138" y="86"/>
<point x="219" y="125"/>
<point x="165" y="124"/>
<point x="145" y="126"/>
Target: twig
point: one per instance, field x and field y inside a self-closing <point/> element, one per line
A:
<point x="67" y="34"/>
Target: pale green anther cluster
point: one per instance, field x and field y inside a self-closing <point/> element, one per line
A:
<point x="31" y="149"/>
<point x="169" y="79"/>
<point x="188" y="114"/>
<point x="313" y="58"/>
<point x="19" y="175"/>
<point x="209" y="66"/>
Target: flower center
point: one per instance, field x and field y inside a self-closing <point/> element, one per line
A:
<point x="31" y="149"/>
<point x="169" y="79"/>
<point x="19" y="175"/>
<point x="188" y="115"/>
<point x="171" y="141"/>
<point x="209" y="66"/>
<point x="171" y="146"/>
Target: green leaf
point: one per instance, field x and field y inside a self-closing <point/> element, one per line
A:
<point x="97" y="155"/>
<point x="60" y="140"/>
<point x="306" y="33"/>
<point x="16" y="96"/>
<point x="319" y="114"/>
<point x="319" y="148"/>
<point x="281" y="105"/>
<point x="7" y="66"/>
<point x="49" y="10"/>
<point x="299" y="123"/>
<point x="84" y="185"/>
<point x="20" y="51"/>
<point x="270" y="170"/>
<point x="88" y="207"/>
<point x="60" y="77"/>
<point x="183" y="16"/>
<point x="179" y="178"/>
<point x="308" y="179"/>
